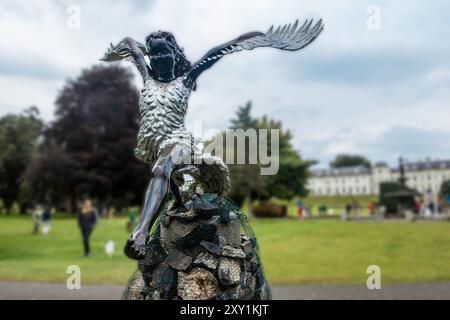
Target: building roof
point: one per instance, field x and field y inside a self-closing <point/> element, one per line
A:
<point x="380" y="164"/>
<point x="426" y="165"/>
<point x="344" y="171"/>
<point x="361" y="170"/>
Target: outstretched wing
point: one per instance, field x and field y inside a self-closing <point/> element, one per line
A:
<point x="290" y="37"/>
<point x="128" y="50"/>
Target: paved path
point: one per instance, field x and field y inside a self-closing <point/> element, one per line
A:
<point x="31" y="290"/>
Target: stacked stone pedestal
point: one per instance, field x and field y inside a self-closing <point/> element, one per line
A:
<point x="201" y="253"/>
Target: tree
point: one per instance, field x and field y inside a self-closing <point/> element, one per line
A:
<point x="247" y="183"/>
<point x="18" y="142"/>
<point x="244" y="119"/>
<point x="246" y="179"/>
<point x="293" y="171"/>
<point x="350" y="160"/>
<point x="445" y="189"/>
<point x="88" y="149"/>
<point x="50" y="177"/>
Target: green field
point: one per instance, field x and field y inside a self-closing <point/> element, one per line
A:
<point x="293" y="251"/>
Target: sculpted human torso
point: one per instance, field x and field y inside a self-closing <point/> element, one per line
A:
<point x="163" y="140"/>
<point x="163" y="107"/>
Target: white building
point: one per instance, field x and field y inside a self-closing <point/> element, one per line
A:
<point x="425" y="177"/>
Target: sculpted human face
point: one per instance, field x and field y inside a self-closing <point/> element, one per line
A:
<point x="162" y="58"/>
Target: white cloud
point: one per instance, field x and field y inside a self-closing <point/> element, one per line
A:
<point x="343" y="93"/>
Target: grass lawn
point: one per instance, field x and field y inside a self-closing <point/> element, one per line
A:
<point x="46" y="258"/>
<point x="293" y="252"/>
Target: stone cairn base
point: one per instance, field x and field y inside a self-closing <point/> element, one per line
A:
<point x="205" y="251"/>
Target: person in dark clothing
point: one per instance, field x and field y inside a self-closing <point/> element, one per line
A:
<point x="348" y="208"/>
<point x="87" y="219"/>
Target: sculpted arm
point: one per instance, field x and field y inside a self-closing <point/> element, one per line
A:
<point x="130" y="50"/>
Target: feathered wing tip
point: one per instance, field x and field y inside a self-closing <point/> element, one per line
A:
<point x="292" y="37"/>
<point x="108" y="54"/>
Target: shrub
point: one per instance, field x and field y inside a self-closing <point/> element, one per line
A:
<point x="270" y="210"/>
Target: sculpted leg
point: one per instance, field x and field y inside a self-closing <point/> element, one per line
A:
<point x="156" y="192"/>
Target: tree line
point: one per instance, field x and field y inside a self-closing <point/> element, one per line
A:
<point x="88" y="149"/>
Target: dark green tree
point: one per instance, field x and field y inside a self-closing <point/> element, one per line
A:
<point x="246" y="179"/>
<point x="18" y="143"/>
<point x="244" y="119"/>
<point x="445" y="188"/>
<point x="293" y="171"/>
<point x="88" y="149"/>
<point x="350" y="160"/>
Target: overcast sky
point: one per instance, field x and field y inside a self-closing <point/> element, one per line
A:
<point x="378" y="87"/>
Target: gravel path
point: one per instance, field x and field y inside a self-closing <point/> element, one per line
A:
<point x="30" y="290"/>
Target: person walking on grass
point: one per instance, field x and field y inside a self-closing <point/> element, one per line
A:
<point x="37" y="218"/>
<point x="87" y="220"/>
